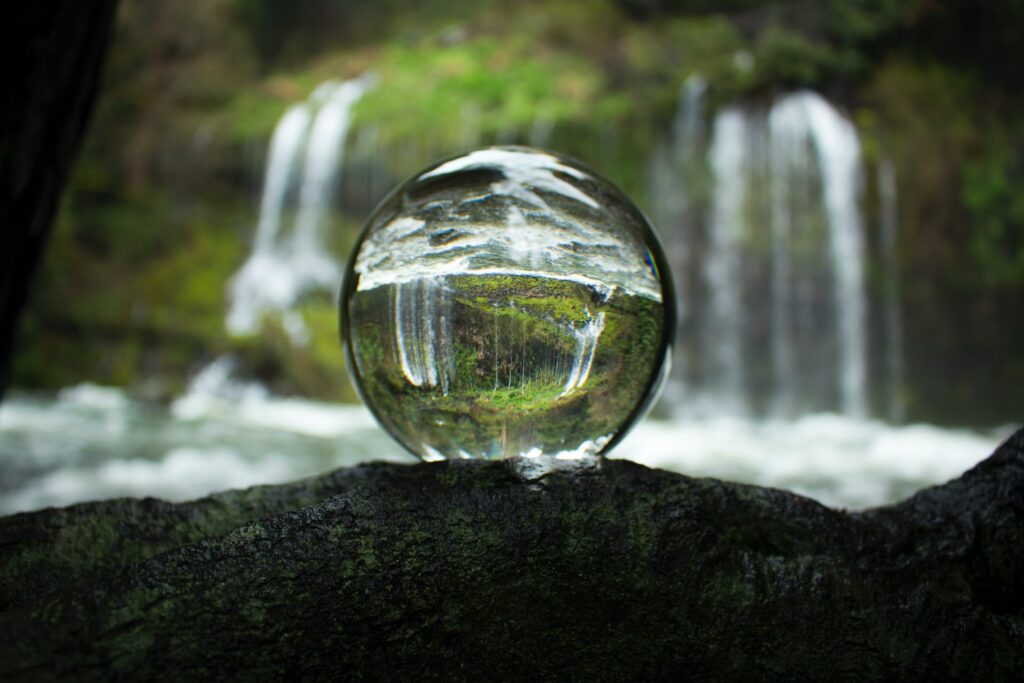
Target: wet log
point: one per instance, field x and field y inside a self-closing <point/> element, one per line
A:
<point x="491" y="571"/>
<point x="53" y="53"/>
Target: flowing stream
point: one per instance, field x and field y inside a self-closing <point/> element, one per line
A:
<point x="224" y="434"/>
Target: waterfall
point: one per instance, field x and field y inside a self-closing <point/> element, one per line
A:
<point x="838" y="149"/>
<point x="786" y="142"/>
<point x="289" y="257"/>
<point x="725" y="323"/>
<point x="777" y="248"/>
<point x="809" y="137"/>
<point x="285" y="146"/>
<point x="674" y="172"/>
<point x="891" y="297"/>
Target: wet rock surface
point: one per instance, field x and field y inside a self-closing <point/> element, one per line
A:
<point x="473" y="571"/>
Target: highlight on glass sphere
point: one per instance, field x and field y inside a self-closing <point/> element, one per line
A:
<point x="507" y="302"/>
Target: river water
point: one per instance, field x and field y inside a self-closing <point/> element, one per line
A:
<point x="90" y="443"/>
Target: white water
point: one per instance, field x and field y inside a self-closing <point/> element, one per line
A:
<point x="91" y="443"/>
<point x="289" y="258"/>
<point x="724" y="330"/>
<point x="893" y="317"/>
<point x="786" y="149"/>
<point x="676" y="169"/>
<point x="225" y="434"/>
<point x="838" y="148"/>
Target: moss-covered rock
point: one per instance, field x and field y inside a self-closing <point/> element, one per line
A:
<point x="491" y="570"/>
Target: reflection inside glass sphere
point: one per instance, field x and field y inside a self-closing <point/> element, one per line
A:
<point x="507" y="302"/>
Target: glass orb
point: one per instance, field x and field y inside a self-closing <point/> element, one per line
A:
<point x="507" y="302"/>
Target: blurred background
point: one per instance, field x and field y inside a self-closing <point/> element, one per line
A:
<point x="835" y="183"/>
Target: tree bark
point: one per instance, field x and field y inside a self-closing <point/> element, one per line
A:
<point x="53" y="53"/>
<point x="486" y="571"/>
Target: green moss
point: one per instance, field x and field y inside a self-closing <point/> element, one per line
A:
<point x="500" y="84"/>
<point x="991" y="192"/>
<point x="788" y="57"/>
<point x="144" y="290"/>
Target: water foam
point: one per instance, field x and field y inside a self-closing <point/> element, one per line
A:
<point x="217" y="443"/>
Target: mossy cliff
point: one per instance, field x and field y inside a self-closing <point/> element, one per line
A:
<point x="482" y="571"/>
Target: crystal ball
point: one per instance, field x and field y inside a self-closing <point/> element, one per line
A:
<point x="507" y="302"/>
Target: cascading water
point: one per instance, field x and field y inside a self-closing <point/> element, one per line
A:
<point x="676" y="169"/>
<point x="786" y="142"/>
<point x="782" y="304"/>
<point x="893" y="321"/>
<point x="838" y="149"/>
<point x="724" y="328"/>
<point x="810" y="139"/>
<point x="289" y="257"/>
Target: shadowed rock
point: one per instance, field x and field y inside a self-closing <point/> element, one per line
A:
<point x="54" y="50"/>
<point x="482" y="571"/>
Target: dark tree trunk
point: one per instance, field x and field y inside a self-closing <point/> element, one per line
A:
<point x="478" y="571"/>
<point x="52" y="54"/>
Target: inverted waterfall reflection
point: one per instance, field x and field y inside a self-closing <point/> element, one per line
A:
<point x="422" y="312"/>
<point x="423" y="335"/>
<point x="586" y="343"/>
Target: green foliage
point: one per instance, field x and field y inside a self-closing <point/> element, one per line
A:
<point x="991" y="192"/>
<point x="666" y="54"/>
<point x="313" y="368"/>
<point x="252" y="115"/>
<point x="129" y="289"/>
<point x="438" y="94"/>
<point x="786" y="57"/>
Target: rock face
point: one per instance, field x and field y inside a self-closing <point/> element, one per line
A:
<point x="54" y="52"/>
<point x="477" y="571"/>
